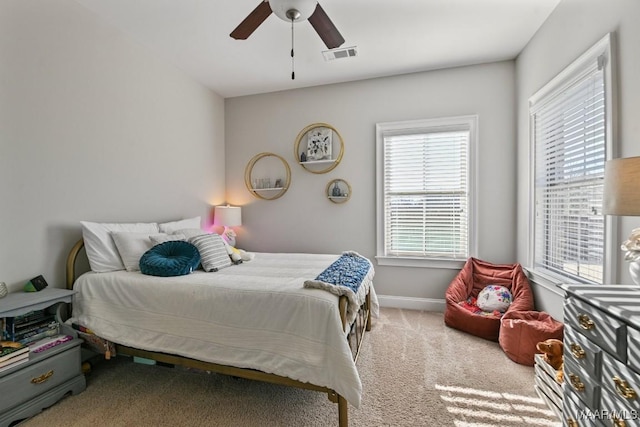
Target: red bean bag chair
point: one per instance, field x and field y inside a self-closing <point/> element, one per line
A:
<point x="474" y="276"/>
<point x="520" y="331"/>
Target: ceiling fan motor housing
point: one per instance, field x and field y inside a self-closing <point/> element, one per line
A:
<point x="296" y="10"/>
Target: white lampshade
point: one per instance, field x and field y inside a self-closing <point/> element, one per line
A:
<point x="304" y="7"/>
<point x="621" y="184"/>
<point x="228" y="216"/>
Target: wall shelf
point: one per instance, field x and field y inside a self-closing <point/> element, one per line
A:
<point x="338" y="191"/>
<point x="315" y="148"/>
<point x="267" y="193"/>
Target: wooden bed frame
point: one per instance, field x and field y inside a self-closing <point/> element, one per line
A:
<point x="355" y="337"/>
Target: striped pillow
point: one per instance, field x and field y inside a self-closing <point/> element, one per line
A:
<point x="213" y="253"/>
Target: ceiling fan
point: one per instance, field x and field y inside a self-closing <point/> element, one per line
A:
<point x="291" y="11"/>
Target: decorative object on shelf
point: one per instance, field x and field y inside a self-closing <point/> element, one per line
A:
<point x="3" y="290"/>
<point x="338" y="190"/>
<point x="622" y="198"/>
<point x="261" y="187"/>
<point x="228" y="216"/>
<point x="319" y="144"/>
<point x="36" y="284"/>
<point x="316" y="146"/>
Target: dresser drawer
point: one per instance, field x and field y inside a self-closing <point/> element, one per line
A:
<point x="633" y="348"/>
<point x="582" y="351"/>
<point x="605" y="331"/>
<point x="614" y="414"/>
<point x="46" y="373"/>
<point x="574" y="414"/>
<point x="584" y="386"/>
<point x="619" y="381"/>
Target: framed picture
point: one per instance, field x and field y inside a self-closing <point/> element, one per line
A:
<point x="319" y="143"/>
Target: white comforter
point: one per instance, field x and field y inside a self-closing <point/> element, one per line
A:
<point x="254" y="315"/>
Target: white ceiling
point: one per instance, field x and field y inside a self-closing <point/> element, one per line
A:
<point x="392" y="37"/>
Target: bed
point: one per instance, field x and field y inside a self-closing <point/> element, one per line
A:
<point x="253" y="320"/>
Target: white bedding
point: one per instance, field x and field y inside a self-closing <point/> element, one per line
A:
<point x="254" y="315"/>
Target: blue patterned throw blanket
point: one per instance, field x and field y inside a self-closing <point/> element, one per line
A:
<point x="349" y="275"/>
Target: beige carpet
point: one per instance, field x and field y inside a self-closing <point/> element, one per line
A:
<point x="415" y="372"/>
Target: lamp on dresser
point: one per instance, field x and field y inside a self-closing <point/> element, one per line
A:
<point x="622" y="198"/>
<point x="228" y="216"/>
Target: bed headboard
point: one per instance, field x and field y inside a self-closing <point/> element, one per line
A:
<point x="72" y="258"/>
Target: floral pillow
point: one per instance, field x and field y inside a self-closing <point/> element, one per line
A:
<point x="494" y="298"/>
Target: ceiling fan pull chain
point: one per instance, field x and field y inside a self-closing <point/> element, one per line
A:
<point x="293" y="72"/>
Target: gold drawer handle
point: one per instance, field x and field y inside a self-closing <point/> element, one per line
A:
<point x="576" y="383"/>
<point x="572" y="423"/>
<point x="623" y="389"/>
<point x="42" y="378"/>
<point x="617" y="422"/>
<point x="577" y="351"/>
<point x="586" y="323"/>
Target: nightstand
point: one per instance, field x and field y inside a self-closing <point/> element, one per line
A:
<point x="47" y="376"/>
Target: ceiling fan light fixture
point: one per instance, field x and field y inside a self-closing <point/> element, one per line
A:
<point x="287" y="10"/>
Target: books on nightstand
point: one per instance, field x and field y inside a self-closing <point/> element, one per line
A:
<point x="12" y="353"/>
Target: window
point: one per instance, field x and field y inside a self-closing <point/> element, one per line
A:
<point x="424" y="191"/>
<point x="571" y="132"/>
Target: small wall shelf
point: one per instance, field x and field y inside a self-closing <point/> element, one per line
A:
<point x="315" y="148"/>
<point x="255" y="186"/>
<point x="338" y="191"/>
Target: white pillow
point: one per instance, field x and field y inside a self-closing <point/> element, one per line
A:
<point x="191" y="232"/>
<point x="131" y="247"/>
<point x="161" y="238"/>
<point x="213" y="252"/>
<point x="173" y="226"/>
<point x="101" y="250"/>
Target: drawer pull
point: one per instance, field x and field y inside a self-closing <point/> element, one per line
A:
<point x="617" y="422"/>
<point x="623" y="389"/>
<point x="577" y="351"/>
<point x="585" y="323"/>
<point x="576" y="382"/>
<point x="42" y="378"/>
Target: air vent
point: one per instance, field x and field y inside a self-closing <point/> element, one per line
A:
<point x="343" y="52"/>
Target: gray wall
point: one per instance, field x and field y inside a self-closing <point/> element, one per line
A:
<point x="571" y="29"/>
<point x="303" y="220"/>
<point x="93" y="127"/>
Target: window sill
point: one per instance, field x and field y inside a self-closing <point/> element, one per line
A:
<point x="420" y="262"/>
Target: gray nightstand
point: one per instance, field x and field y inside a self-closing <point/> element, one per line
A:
<point x="47" y="376"/>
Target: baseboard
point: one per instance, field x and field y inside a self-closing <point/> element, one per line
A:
<point x="411" y="303"/>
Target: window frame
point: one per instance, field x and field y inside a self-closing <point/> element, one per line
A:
<point x="470" y="123"/>
<point x="576" y="71"/>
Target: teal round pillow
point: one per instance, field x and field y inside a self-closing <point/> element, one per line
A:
<point x="174" y="258"/>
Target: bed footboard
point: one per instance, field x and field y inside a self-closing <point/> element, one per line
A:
<point x="355" y="337"/>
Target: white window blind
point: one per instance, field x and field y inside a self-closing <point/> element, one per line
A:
<point x="426" y="194"/>
<point x="569" y="132"/>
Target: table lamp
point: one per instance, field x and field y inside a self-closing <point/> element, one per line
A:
<point x="621" y="197"/>
<point x="228" y="216"/>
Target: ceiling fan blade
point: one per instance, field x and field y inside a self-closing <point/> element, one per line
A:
<point x="253" y="21"/>
<point x="325" y="28"/>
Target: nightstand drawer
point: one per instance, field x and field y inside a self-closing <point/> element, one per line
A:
<point x="605" y="331"/>
<point x="36" y="378"/>
<point x="581" y="351"/>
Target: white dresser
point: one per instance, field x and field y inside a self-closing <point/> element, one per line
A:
<point x="601" y="356"/>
